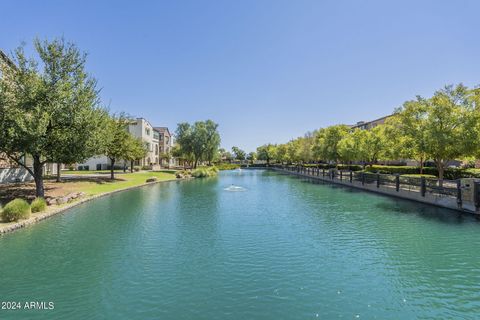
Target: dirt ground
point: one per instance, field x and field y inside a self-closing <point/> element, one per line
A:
<point x="26" y="191"/>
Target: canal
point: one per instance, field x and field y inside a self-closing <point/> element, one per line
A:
<point x="276" y="247"/>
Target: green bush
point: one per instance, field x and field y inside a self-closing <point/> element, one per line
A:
<point x="204" y="172"/>
<point x="414" y="175"/>
<point x="136" y="168"/>
<point x="449" y="174"/>
<point x="227" y="166"/>
<point x="352" y="167"/>
<point x="16" y="209"/>
<point x="38" y="205"/>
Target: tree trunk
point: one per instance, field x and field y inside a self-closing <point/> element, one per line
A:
<point x="195" y="164"/>
<point x="59" y="179"/>
<point x="112" y="173"/>
<point x="421" y="165"/>
<point x="38" y="177"/>
<point x="131" y="166"/>
<point x="441" y="170"/>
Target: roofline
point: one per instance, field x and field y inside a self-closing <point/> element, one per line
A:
<point x="7" y="59"/>
<point x="158" y="129"/>
<point x="367" y="122"/>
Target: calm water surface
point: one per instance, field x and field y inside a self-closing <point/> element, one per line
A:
<point x="285" y="248"/>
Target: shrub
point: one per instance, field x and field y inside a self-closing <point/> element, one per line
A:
<point x="352" y="167"/>
<point x="136" y="168"/>
<point x="227" y="166"/>
<point x="38" y="205"/>
<point x="429" y="176"/>
<point x="16" y="209"/>
<point x="449" y="174"/>
<point x="204" y="172"/>
<point x="146" y="168"/>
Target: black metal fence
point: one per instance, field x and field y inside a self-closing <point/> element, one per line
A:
<point x="423" y="185"/>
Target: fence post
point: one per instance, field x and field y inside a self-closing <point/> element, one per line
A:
<point x="378" y="180"/>
<point x="351" y="176"/>
<point x="423" y="186"/>
<point x="341" y="175"/>
<point x="476" y="194"/>
<point x="397" y="182"/>
<point x="459" y="193"/>
<point x="323" y="172"/>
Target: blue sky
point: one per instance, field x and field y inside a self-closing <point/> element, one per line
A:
<point x="266" y="71"/>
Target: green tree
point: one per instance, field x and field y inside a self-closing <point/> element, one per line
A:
<point x="351" y="147"/>
<point x="118" y="140"/>
<point x="407" y="129"/>
<point x="225" y="155"/>
<point x="451" y="126"/>
<point x="266" y="152"/>
<point x="135" y="149"/>
<point x="252" y="156"/>
<point x="199" y="141"/>
<point x="48" y="108"/>
<point x="326" y="145"/>
<point x="281" y="153"/>
<point x="239" y="153"/>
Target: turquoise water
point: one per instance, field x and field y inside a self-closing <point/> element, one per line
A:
<point x="284" y="248"/>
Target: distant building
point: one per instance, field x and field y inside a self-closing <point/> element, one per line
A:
<point x="158" y="141"/>
<point x="166" y="143"/>
<point x="362" y="125"/>
<point x="142" y="129"/>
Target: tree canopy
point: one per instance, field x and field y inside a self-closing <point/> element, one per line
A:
<point x="49" y="108"/>
<point x="198" y="142"/>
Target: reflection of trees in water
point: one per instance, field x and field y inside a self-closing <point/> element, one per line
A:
<point x="426" y="252"/>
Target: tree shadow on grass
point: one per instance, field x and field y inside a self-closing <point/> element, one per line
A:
<point x="11" y="191"/>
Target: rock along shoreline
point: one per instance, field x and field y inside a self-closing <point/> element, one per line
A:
<point x="54" y="210"/>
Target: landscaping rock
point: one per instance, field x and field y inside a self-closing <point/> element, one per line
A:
<point x="151" y="179"/>
<point x="62" y="200"/>
<point x="51" y="201"/>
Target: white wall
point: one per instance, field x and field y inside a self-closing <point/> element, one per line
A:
<point x="12" y="175"/>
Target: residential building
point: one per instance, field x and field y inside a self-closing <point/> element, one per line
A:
<point x="366" y="125"/>
<point x="141" y="128"/>
<point x="158" y="141"/>
<point x="166" y="143"/>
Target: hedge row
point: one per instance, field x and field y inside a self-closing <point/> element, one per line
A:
<point x="352" y="167"/>
<point x="449" y="174"/>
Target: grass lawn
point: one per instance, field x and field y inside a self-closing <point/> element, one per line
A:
<point x="122" y="181"/>
<point x="84" y="172"/>
<point x="81" y="182"/>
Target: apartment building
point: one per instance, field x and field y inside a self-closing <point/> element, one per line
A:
<point x="367" y="125"/>
<point x="166" y="143"/>
<point x="141" y="128"/>
<point x="158" y="141"/>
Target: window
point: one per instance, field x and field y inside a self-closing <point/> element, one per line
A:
<point x="147" y="131"/>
